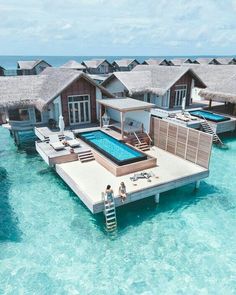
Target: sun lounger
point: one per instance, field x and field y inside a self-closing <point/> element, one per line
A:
<point x="71" y="140"/>
<point x="182" y="118"/>
<point x="55" y="142"/>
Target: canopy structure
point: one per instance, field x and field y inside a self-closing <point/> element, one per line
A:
<point x="124" y="105"/>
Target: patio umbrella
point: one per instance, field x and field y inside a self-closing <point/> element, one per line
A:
<point x="61" y="124"/>
<point x="183" y="104"/>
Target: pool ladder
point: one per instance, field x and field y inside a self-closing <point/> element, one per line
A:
<point x="110" y="214"/>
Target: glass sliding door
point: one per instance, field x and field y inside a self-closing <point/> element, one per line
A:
<point x="79" y="109"/>
<point x="180" y="93"/>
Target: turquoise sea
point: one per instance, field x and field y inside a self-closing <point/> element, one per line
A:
<point x="51" y="244"/>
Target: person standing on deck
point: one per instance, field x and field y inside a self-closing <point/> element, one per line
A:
<point x="109" y="194"/>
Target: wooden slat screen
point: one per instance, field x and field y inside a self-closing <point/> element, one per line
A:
<point x="187" y="143"/>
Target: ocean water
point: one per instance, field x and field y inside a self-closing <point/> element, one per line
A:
<point x="51" y="244"/>
<point x="10" y="61"/>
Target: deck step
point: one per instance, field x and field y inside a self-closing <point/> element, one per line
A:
<point x="206" y="127"/>
<point x="86" y="156"/>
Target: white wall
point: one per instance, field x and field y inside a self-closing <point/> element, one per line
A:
<point x="140" y="116"/>
<point x="115" y="86"/>
<point x="195" y="95"/>
<point x="98" y="97"/>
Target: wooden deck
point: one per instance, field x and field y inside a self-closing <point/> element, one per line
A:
<point x="89" y="180"/>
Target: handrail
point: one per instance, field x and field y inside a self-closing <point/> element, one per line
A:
<point x="137" y="137"/>
<point x="148" y="136"/>
<point x="218" y="138"/>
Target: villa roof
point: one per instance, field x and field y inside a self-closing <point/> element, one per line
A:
<point x="155" y="61"/>
<point x="220" y="82"/>
<point x="126" y="104"/>
<point x="39" y="90"/>
<point x="125" y="62"/>
<point x="94" y="63"/>
<point x="180" y="61"/>
<point x="151" y="79"/>
<point x="206" y="60"/>
<point x="29" y="64"/>
<point x="224" y="60"/>
<point x="73" y="64"/>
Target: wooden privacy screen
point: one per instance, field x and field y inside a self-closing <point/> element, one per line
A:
<point x="187" y="143"/>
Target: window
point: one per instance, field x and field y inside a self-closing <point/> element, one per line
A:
<point x="18" y="115"/>
<point x="180" y="93"/>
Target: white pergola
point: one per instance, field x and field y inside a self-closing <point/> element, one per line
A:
<point x="123" y="105"/>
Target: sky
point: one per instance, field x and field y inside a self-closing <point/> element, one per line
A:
<point x="118" y="27"/>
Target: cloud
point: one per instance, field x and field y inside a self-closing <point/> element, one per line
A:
<point x="130" y="27"/>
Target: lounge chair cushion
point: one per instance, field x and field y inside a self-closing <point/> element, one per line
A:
<point x="57" y="145"/>
<point x="73" y="142"/>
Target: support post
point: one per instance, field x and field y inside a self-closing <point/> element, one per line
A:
<point x="122" y="124"/>
<point x="16" y="137"/>
<point x="157" y="198"/>
<point x="100" y="115"/>
<point x="197" y="184"/>
<point x="210" y="103"/>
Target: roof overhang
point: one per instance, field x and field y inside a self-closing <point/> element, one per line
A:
<point x="126" y="104"/>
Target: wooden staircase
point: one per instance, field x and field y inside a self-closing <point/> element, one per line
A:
<point x="86" y="156"/>
<point x="140" y="140"/>
<point x="206" y="127"/>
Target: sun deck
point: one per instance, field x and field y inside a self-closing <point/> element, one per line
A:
<point x="89" y="180"/>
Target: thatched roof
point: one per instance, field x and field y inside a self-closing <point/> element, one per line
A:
<point x="156" y="61"/>
<point x="220" y="81"/>
<point x="180" y="61"/>
<point x="73" y="64"/>
<point x="150" y="79"/>
<point x="29" y="64"/>
<point x="124" y="62"/>
<point x="207" y="61"/>
<point x="224" y="60"/>
<point x="39" y="90"/>
<point x="94" y="63"/>
<point x="2" y="68"/>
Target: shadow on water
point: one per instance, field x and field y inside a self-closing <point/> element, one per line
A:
<point x="8" y="220"/>
<point x="145" y="210"/>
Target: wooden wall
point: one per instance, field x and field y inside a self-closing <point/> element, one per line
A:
<point x="187" y="143"/>
<point x="79" y="87"/>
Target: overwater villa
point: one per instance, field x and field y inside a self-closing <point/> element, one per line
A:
<point x="36" y="100"/>
<point x="31" y="67"/>
<point x="98" y="66"/>
<point x="73" y="65"/>
<point x="123" y="65"/>
<point x="163" y="86"/>
<point x="156" y="61"/>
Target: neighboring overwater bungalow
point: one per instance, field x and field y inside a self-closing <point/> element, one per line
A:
<point x="32" y="67"/>
<point x="180" y="61"/>
<point x="37" y="100"/>
<point x="98" y="66"/>
<point x="1" y="71"/>
<point x="74" y="65"/>
<point x="207" y="61"/>
<point x="163" y="86"/>
<point x="123" y="65"/>
<point x="156" y="61"/>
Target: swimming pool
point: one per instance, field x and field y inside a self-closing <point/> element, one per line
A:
<point x="209" y="116"/>
<point x="115" y="150"/>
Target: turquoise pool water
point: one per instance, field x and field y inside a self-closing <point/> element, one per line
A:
<point x="117" y="151"/>
<point x="209" y="116"/>
<point x="51" y="244"/>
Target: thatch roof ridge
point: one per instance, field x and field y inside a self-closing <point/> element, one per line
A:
<point x="72" y="64"/>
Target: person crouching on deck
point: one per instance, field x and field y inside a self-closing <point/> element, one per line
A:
<point x="109" y="194"/>
<point x="122" y="192"/>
